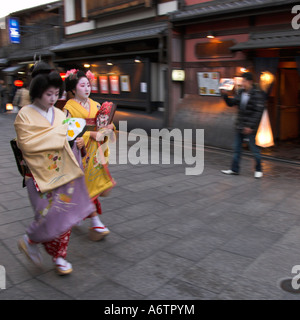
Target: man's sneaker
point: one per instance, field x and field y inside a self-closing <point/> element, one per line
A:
<point x="258" y="174"/>
<point x="229" y="172"/>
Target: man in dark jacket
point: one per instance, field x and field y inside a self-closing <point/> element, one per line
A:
<point x="250" y="101"/>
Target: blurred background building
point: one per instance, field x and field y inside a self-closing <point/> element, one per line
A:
<point x="167" y="57"/>
<point x="120" y="41"/>
<point x="27" y="36"/>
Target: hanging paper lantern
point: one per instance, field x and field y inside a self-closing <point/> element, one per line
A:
<point x="266" y="79"/>
<point x="18" y="83"/>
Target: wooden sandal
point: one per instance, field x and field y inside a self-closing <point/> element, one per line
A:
<point x="96" y="235"/>
<point x="63" y="269"/>
<point x="35" y="258"/>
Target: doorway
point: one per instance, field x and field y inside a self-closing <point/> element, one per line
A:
<point x="284" y="113"/>
<point x="288" y="104"/>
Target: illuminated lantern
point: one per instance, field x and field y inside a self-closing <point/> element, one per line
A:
<point x="266" y="79"/>
<point x="9" y="107"/>
<point x="264" y="136"/>
<point x="63" y="75"/>
<point x="18" y="83"/>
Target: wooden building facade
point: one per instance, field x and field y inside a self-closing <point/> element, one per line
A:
<point x="224" y="39"/>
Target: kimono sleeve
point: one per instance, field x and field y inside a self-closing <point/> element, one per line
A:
<point x="35" y="138"/>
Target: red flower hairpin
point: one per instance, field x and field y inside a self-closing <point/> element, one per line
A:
<point x="90" y="76"/>
<point x="71" y="74"/>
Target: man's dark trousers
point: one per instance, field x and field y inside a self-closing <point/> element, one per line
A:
<point x="238" y="142"/>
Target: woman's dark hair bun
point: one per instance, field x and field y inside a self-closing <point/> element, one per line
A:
<point x="41" y="68"/>
<point x="42" y="81"/>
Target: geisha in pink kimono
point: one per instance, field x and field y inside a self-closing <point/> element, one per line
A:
<point x="56" y="185"/>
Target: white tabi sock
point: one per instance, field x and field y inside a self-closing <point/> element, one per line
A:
<point x="98" y="225"/>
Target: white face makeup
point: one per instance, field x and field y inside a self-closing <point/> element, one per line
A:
<point x="83" y="89"/>
<point x="48" y="99"/>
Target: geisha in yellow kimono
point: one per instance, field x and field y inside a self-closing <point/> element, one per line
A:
<point x="97" y="176"/>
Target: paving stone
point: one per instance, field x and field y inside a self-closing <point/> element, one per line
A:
<point x="141" y="246"/>
<point x="116" y="204"/>
<point x="15" y="270"/>
<point x="12" y="229"/>
<point x="80" y="280"/>
<point x="179" y="290"/>
<point x="244" y="288"/>
<point x="41" y="291"/>
<point x="14" y="293"/>
<point x="144" y="185"/>
<point x="182" y="227"/>
<point x="216" y="271"/>
<point x="290" y="205"/>
<point x="132" y="228"/>
<point x="251" y="242"/>
<point x="151" y="273"/>
<point x="195" y="247"/>
<point x="141" y="196"/>
<point x="15" y="215"/>
<point x="16" y="204"/>
<point x="175" y="187"/>
<point x="109" y="290"/>
<point x="276" y="221"/>
<point x="224" y="221"/>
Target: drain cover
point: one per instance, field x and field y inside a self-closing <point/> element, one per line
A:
<point x="286" y="285"/>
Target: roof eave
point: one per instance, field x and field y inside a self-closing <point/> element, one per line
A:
<point x="239" y="11"/>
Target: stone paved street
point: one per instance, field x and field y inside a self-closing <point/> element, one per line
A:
<point x="173" y="236"/>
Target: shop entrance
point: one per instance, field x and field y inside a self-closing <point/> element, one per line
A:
<point x="284" y="103"/>
<point x="288" y="103"/>
<point x="284" y="111"/>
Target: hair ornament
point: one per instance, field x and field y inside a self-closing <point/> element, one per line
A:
<point x="71" y="74"/>
<point x="90" y="76"/>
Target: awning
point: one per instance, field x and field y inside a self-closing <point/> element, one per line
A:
<point x="25" y="55"/>
<point x="12" y="70"/>
<point x="3" y="61"/>
<point x="109" y="38"/>
<point x="279" y="39"/>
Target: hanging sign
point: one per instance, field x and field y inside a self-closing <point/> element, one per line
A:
<point x="14" y="30"/>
